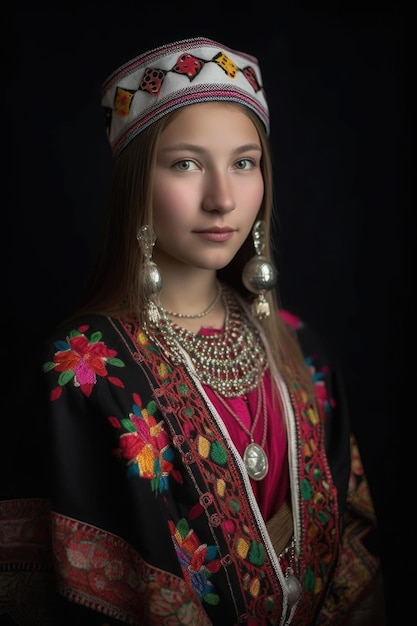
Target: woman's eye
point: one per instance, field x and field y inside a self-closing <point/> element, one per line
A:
<point x="244" y="164"/>
<point x="185" y="165"/>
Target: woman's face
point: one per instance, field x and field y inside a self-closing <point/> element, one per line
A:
<point x="208" y="186"/>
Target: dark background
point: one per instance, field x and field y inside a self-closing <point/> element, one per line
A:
<point x="338" y="85"/>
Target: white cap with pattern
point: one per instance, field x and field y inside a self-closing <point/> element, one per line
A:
<point x="175" y="75"/>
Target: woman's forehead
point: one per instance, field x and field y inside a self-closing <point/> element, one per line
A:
<point x="206" y="118"/>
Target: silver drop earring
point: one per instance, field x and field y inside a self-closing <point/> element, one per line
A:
<point x="151" y="278"/>
<point x="259" y="275"/>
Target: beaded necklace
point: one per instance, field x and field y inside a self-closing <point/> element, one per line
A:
<point x="198" y="315"/>
<point x="231" y="362"/>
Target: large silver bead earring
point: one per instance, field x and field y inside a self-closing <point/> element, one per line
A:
<point x="150" y="277"/>
<point x="259" y="275"/>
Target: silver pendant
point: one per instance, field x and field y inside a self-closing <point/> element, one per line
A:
<point x="294" y="589"/>
<point x="256" y="461"/>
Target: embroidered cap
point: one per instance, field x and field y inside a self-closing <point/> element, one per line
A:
<point x="166" y="78"/>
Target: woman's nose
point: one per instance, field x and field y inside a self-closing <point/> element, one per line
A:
<point x="218" y="193"/>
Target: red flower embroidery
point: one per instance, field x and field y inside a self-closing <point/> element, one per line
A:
<point x="81" y="360"/>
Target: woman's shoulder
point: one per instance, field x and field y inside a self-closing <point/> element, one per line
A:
<point x="311" y="344"/>
<point x="322" y="366"/>
<point x="77" y="324"/>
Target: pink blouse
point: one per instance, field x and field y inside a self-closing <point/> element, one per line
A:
<point x="271" y="491"/>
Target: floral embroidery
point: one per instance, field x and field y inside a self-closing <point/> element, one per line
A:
<point x="197" y="561"/>
<point x="81" y="360"/>
<point x="145" y="444"/>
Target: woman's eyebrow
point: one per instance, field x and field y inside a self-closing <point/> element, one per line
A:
<point x="201" y="150"/>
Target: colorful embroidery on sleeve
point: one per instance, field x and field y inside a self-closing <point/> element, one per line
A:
<point x="197" y="560"/>
<point x="145" y="444"/>
<point x="81" y="360"/>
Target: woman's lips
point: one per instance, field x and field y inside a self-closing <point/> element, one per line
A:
<point x="216" y="235"/>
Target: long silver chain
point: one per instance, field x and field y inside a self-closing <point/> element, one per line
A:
<point x="261" y="404"/>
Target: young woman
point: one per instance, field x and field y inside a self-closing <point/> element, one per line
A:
<point x="200" y="451"/>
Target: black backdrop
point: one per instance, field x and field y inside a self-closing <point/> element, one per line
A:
<point x="337" y="84"/>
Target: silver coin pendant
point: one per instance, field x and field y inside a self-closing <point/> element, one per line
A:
<point x="256" y="461"/>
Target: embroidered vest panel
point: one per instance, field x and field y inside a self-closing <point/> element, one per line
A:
<point x="223" y="514"/>
<point x="187" y="477"/>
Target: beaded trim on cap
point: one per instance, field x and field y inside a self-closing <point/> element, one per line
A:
<point x="231" y="362"/>
<point x="175" y="75"/>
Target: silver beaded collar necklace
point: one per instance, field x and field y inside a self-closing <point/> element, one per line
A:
<point x="232" y="362"/>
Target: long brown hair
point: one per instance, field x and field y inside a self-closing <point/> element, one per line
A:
<point x="114" y="285"/>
